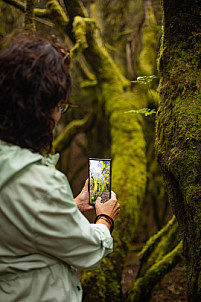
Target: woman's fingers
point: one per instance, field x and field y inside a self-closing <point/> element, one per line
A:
<point x="98" y="201"/>
<point x="110" y="207"/>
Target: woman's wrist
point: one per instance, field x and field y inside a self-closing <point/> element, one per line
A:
<point x="107" y="219"/>
<point x="103" y="221"/>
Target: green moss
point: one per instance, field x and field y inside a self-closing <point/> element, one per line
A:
<point x="128" y="181"/>
<point x="125" y="153"/>
<point x="57" y="14"/>
<point x="141" y="288"/>
<point x="79" y="29"/>
<point x="155" y="239"/>
<point x="105" y="281"/>
<point x="128" y="154"/>
<point x="29" y="15"/>
<point x="69" y="132"/>
<point x="178" y="141"/>
<point x="97" y="56"/>
<point x="77" y="9"/>
<point x="164" y="246"/>
<point x="147" y="56"/>
<point x="129" y="167"/>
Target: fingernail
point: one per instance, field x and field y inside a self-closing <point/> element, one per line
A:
<point x="99" y="198"/>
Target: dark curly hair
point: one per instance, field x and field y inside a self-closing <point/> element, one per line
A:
<point x="34" y="78"/>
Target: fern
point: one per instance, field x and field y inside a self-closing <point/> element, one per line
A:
<point x="145" y="80"/>
<point x="145" y="111"/>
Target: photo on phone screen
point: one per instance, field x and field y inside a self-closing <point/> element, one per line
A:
<point x="99" y="179"/>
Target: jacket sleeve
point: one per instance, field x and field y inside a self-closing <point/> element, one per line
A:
<point x="62" y="232"/>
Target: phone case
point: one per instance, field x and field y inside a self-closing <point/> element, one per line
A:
<point x="99" y="179"/>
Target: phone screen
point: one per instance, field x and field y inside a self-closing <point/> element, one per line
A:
<point x="99" y="179"/>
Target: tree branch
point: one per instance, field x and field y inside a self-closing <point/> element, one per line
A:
<point x="71" y="130"/>
<point x="75" y="8"/>
<point x="54" y="12"/>
<point x="90" y="43"/>
<point x="21" y="6"/>
<point x="141" y="289"/>
<point x="57" y="14"/>
<point x="79" y="29"/>
<point x="155" y="239"/>
<point x="78" y="170"/>
<point x="158" y="246"/>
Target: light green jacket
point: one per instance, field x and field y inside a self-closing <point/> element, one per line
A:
<point x="43" y="236"/>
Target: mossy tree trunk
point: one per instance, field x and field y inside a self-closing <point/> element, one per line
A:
<point x="178" y="141"/>
<point x="129" y="164"/>
<point x="128" y="145"/>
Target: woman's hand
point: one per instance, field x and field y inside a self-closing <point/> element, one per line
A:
<point x="82" y="200"/>
<point x="110" y="207"/>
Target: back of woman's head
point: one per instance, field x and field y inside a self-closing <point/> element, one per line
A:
<point x="34" y="78"/>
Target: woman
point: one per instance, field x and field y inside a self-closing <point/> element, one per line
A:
<point x="43" y="235"/>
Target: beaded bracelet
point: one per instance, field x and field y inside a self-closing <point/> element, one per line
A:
<point x="108" y="219"/>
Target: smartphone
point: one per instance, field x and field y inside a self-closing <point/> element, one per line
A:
<point x="99" y="179"/>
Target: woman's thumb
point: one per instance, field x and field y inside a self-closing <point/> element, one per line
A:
<point x="98" y="200"/>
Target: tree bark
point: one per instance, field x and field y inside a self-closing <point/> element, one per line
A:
<point x="29" y="15"/>
<point x="178" y="134"/>
<point x="2" y="32"/>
